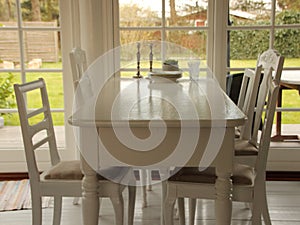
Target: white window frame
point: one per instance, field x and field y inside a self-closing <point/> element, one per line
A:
<point x="164" y="29"/>
<point x="13" y="160"/>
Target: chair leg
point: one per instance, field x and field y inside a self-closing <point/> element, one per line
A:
<point x="57" y="210"/>
<point x="149" y="180"/>
<point x="131" y="203"/>
<point x="265" y="210"/>
<point x="192" y="210"/>
<point x="256" y="213"/>
<point x="169" y="211"/>
<point x="169" y="199"/>
<point x="143" y="178"/>
<point x="118" y="205"/>
<point x="100" y="201"/>
<point x="181" y="211"/>
<point x="76" y="201"/>
<point x="36" y="202"/>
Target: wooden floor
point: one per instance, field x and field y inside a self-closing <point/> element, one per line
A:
<point x="283" y="198"/>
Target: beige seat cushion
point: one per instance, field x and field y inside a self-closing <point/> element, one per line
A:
<point x="67" y="170"/>
<point x="242" y="175"/>
<point x="244" y="148"/>
<point x="70" y="170"/>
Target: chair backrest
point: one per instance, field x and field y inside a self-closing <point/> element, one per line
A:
<point x="36" y="124"/>
<point x="78" y="64"/>
<point x="247" y="100"/>
<point x="265" y="138"/>
<point x="233" y="86"/>
<point x="270" y="64"/>
<point x="82" y="84"/>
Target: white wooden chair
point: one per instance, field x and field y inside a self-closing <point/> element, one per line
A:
<point x="248" y="182"/>
<point x="269" y="64"/>
<point x="253" y="92"/>
<point x="63" y="178"/>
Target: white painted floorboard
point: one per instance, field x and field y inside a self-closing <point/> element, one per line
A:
<point x="283" y="198"/>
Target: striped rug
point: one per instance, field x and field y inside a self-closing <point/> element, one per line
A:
<point x="15" y="195"/>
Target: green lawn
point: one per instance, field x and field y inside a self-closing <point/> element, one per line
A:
<point x="54" y="83"/>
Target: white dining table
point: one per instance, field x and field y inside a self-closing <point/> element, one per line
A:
<point x="157" y="124"/>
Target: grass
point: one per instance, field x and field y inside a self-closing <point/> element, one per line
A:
<point x="54" y="84"/>
<point x="55" y="92"/>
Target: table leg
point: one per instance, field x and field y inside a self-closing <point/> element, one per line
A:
<point x="163" y="197"/>
<point x="90" y="199"/>
<point x="223" y="202"/>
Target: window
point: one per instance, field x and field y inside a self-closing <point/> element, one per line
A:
<point x="30" y="48"/>
<point x="254" y="26"/>
<point x="177" y="30"/>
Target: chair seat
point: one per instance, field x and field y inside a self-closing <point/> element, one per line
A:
<point x="242" y="175"/>
<point x="68" y="170"/>
<point x="244" y="148"/>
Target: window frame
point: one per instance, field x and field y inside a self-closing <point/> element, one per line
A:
<point x="164" y="29"/>
<point x="13" y="160"/>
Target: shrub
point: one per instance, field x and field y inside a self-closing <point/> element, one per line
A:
<point x="6" y="92"/>
<point x="248" y="44"/>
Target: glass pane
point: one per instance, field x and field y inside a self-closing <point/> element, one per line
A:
<point x="287" y="43"/>
<point x="130" y="36"/>
<point x="249" y="12"/>
<point x="129" y="40"/>
<point x="8" y="13"/>
<point x="40" y="12"/>
<point x="142" y="13"/>
<point x="129" y="54"/>
<point x="287" y="12"/>
<point x="54" y="85"/>
<point x="41" y="49"/>
<point x="245" y="46"/>
<point x="186" y="13"/>
<point x="7" y="100"/>
<point x="193" y="41"/>
<point x="290" y="99"/>
<point x="10" y="49"/>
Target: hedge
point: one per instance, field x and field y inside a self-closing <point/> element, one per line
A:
<point x="247" y="44"/>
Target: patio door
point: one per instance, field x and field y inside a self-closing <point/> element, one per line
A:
<point x="30" y="43"/>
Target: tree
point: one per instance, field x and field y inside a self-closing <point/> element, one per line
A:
<point x="36" y="10"/>
<point x="289" y="4"/>
<point x="173" y="15"/>
<point x="246" y="5"/>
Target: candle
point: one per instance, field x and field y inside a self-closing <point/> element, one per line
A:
<point x="138" y="52"/>
<point x="151" y="54"/>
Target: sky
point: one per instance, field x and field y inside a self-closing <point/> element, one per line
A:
<point x="155" y="5"/>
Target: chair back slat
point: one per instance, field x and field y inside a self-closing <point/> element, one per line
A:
<point x="41" y="142"/>
<point x="247" y="99"/>
<point x="265" y="138"/>
<point x="36" y="112"/>
<point x="40" y="126"/>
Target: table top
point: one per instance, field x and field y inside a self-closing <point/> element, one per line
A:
<point x="290" y="77"/>
<point x="141" y="100"/>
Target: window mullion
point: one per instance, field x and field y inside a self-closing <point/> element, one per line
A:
<point x="272" y="31"/>
<point x="20" y="32"/>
